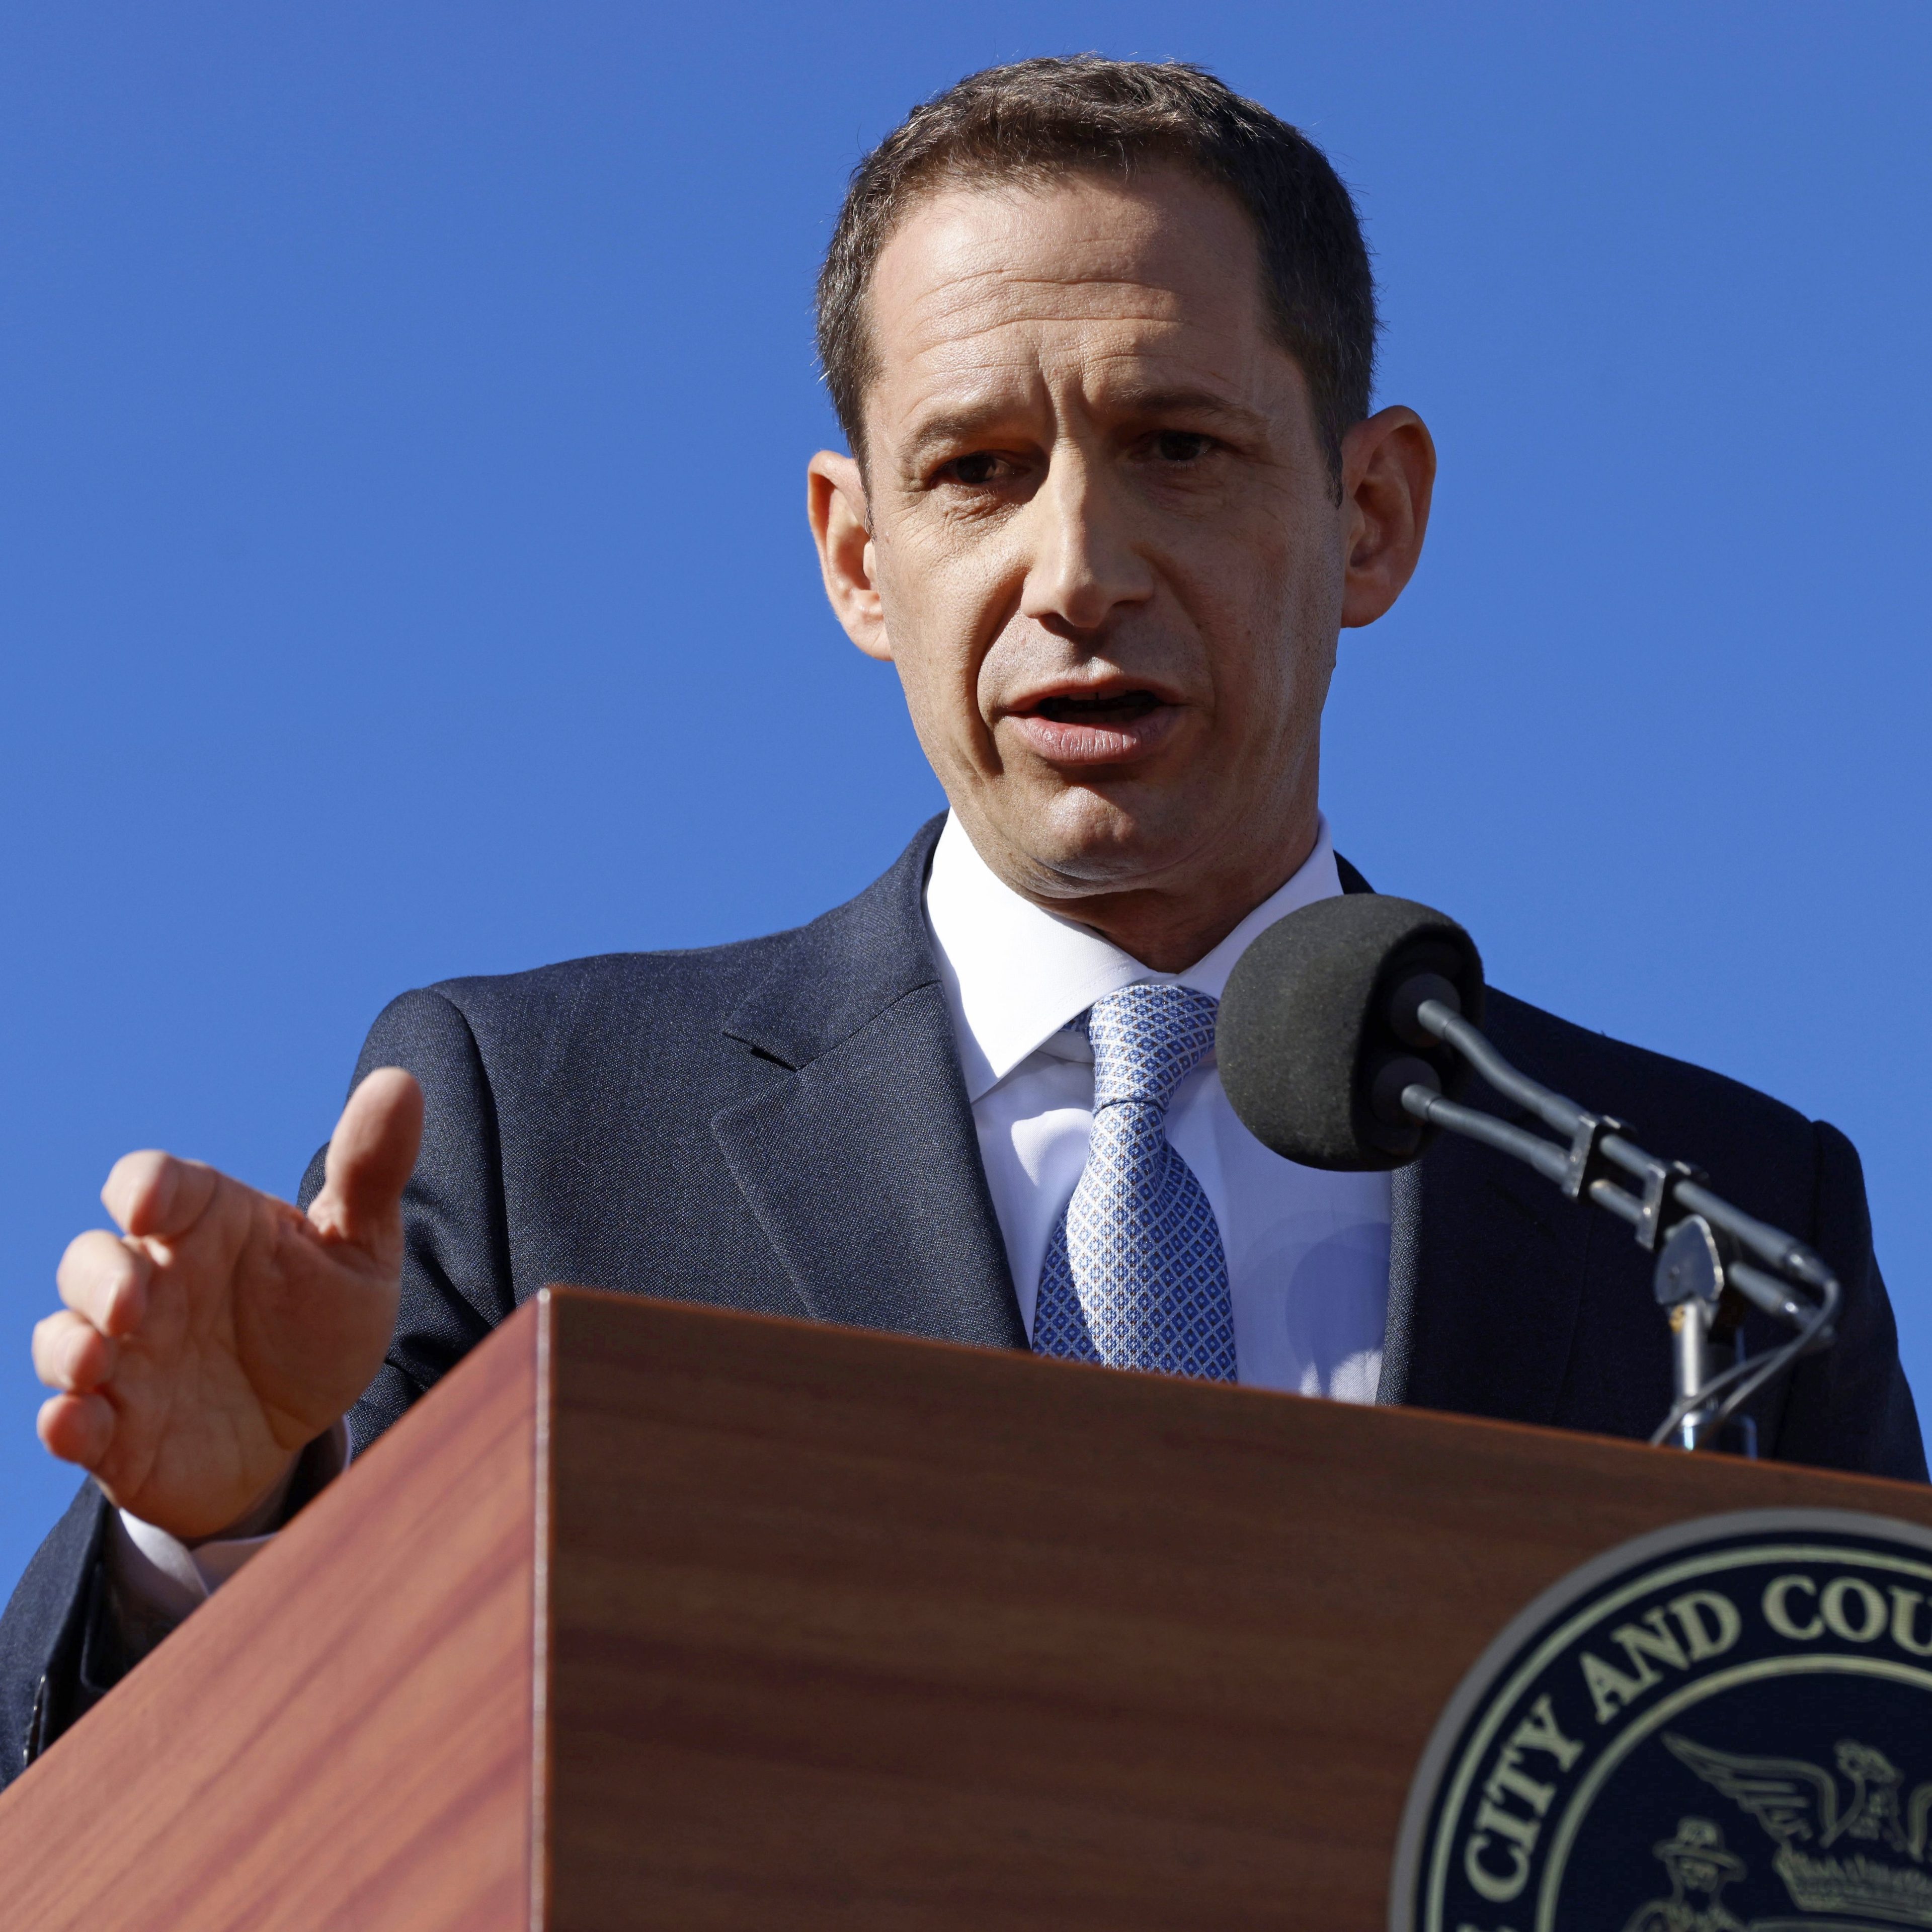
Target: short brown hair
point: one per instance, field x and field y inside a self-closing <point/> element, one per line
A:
<point x="1039" y="118"/>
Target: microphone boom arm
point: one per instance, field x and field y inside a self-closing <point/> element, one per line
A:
<point x="1699" y="1239"/>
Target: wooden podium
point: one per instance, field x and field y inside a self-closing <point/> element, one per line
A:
<point x="652" y="1616"/>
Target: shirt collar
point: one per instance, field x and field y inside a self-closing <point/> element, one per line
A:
<point x="1015" y="975"/>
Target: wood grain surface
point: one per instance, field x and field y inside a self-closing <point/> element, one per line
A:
<point x="858" y="1632"/>
<point x="340" y="1741"/>
<point x="831" y="1630"/>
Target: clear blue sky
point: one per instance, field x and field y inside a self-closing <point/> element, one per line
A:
<point x="403" y="415"/>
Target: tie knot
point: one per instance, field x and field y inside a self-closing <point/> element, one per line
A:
<point x="1146" y="1040"/>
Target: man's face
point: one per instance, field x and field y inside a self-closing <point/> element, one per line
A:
<point x="1097" y="533"/>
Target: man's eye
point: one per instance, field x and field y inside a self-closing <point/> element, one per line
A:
<point x="975" y="471"/>
<point x="1181" y="446"/>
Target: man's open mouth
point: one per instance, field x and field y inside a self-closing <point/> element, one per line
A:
<point x="1117" y="708"/>
<point x="1114" y="727"/>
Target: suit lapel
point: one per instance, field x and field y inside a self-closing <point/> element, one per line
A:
<point x="1485" y="1270"/>
<point x="1487" y="1264"/>
<point x="1405" y="1239"/>
<point x="862" y="1165"/>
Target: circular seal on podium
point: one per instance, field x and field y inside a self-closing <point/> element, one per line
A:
<point x="1725" y="1726"/>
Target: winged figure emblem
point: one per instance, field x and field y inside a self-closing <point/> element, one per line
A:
<point x="1860" y="1804"/>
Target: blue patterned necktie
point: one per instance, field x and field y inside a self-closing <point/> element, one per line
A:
<point x="1136" y="1275"/>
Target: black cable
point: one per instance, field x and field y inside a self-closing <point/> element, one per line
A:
<point x="1771" y="1362"/>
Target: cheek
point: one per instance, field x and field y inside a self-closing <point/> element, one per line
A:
<point x="1305" y="578"/>
<point x="1268" y="623"/>
<point x="934" y="610"/>
<point x="1271" y="614"/>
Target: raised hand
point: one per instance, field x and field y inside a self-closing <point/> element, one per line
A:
<point x="222" y="1330"/>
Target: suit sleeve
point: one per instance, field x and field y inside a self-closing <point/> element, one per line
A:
<point x="1850" y="1408"/>
<point x="457" y="1283"/>
<point x="43" y="1633"/>
<point x="60" y="1649"/>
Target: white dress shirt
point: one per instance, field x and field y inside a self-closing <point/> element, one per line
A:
<point x="159" y="1577"/>
<point x="1308" y="1251"/>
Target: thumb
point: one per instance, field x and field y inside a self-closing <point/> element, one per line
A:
<point x="371" y="1158"/>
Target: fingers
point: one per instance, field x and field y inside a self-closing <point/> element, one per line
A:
<point x="71" y="1354"/>
<point x="151" y="1193"/>
<point x="77" y="1428"/>
<point x="371" y="1157"/>
<point x="105" y="1281"/>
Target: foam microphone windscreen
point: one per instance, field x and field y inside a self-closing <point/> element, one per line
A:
<point x="1306" y="1024"/>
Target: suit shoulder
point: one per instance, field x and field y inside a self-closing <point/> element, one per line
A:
<point x="1703" y="1114"/>
<point x="635" y="1003"/>
<point x="683" y="992"/>
<point x="1532" y="1030"/>
<point x="709" y="979"/>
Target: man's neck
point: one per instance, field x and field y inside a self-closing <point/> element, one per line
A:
<point x="1168" y="935"/>
<point x="1171" y="928"/>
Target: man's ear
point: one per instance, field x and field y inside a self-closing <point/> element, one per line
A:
<point x="842" y="529"/>
<point x="1388" y="474"/>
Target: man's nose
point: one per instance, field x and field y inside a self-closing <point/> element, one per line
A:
<point x="1081" y="563"/>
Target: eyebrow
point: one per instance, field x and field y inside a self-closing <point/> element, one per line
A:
<point x="1191" y="403"/>
<point x="964" y="425"/>
<point x="952" y="426"/>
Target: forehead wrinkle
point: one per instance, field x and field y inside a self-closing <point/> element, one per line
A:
<point x="1148" y="332"/>
<point x="954" y="286"/>
<point x="942" y="316"/>
<point x="1144" y="381"/>
<point x="1062" y="347"/>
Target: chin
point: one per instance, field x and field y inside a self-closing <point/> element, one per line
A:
<point x="1098" y="840"/>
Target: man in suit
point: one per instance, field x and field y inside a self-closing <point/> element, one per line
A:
<point x="1100" y="335"/>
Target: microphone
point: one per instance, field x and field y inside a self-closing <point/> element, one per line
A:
<point x="1318" y="1036"/>
<point x="1344" y="1032"/>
